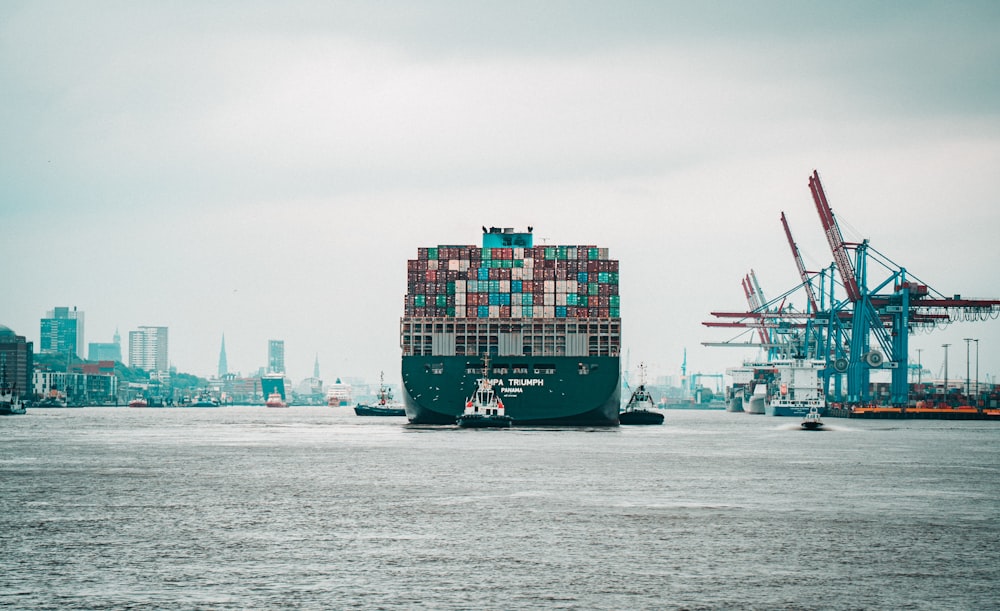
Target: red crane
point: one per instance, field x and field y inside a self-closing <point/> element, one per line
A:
<point x="803" y="274"/>
<point x="837" y="245"/>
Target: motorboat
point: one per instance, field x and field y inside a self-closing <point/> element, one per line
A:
<point x="484" y="409"/>
<point x="812" y="421"/>
<point x="640" y="409"/>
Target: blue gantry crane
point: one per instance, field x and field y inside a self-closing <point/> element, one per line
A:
<point x="868" y="327"/>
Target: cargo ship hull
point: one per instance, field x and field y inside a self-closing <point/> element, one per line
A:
<point x="797" y="411"/>
<point x="545" y="320"/>
<point x="560" y="391"/>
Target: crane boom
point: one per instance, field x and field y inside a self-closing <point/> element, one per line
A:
<point x="803" y="274"/>
<point x="755" y="299"/>
<point x="835" y="238"/>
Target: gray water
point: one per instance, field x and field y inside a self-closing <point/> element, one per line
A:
<point x="315" y="508"/>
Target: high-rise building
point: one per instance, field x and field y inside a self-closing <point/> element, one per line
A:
<point x="147" y="349"/>
<point x="223" y="365"/>
<point x="276" y="356"/>
<point x="104" y="351"/>
<point x="16" y="361"/>
<point x="62" y="332"/>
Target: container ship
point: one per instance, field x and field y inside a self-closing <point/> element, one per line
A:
<point x="547" y="317"/>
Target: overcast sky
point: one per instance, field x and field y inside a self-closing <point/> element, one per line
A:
<point x="265" y="169"/>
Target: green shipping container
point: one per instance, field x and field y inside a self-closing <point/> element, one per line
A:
<point x="419" y="301"/>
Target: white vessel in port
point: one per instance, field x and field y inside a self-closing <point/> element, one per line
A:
<point x="796" y="388"/>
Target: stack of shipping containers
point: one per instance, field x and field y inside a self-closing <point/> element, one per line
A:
<point x="560" y="285"/>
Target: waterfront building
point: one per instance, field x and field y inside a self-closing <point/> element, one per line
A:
<point x="16" y="359"/>
<point x="62" y="332"/>
<point x="86" y="384"/>
<point x="276" y="356"/>
<point x="147" y="349"/>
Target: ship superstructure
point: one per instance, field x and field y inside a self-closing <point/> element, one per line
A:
<point x="547" y="316"/>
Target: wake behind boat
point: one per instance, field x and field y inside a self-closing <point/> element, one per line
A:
<point x="640" y="409"/>
<point x="385" y="405"/>
<point x="484" y="409"/>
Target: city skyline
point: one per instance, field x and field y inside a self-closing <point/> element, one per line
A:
<point x="267" y="171"/>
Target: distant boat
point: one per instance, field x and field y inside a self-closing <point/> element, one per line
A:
<point x="484" y="409"/>
<point x="138" y="402"/>
<point x="384" y="405"/>
<point x="640" y="408"/>
<point x="10" y="402"/>
<point x="339" y="394"/>
<point x="204" y="400"/>
<point x="812" y="421"/>
<point x="54" y="399"/>
<point x="274" y="400"/>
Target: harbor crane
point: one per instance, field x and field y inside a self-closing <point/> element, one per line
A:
<point x="869" y="327"/>
<point x="887" y="312"/>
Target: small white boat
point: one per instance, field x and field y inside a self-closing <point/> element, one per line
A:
<point x="812" y="421"/>
<point x="484" y="409"/>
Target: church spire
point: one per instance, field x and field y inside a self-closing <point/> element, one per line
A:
<point x="316" y="367"/>
<point x="223" y="366"/>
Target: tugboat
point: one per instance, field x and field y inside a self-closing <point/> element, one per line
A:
<point x="204" y="400"/>
<point x="10" y="403"/>
<point x="385" y="406"/>
<point x="139" y="401"/>
<point x="640" y="408"/>
<point x="54" y="399"/>
<point x="274" y="400"/>
<point x="812" y="421"/>
<point x="484" y="409"/>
